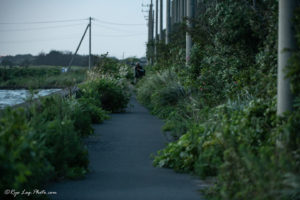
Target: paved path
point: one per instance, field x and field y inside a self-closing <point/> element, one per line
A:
<point x="121" y="168"/>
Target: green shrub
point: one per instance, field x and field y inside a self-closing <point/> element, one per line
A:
<point x="43" y="142"/>
<point x="225" y="123"/>
<point x="23" y="158"/>
<point x="40" y="77"/>
<point x="161" y="92"/>
<point x="108" y="93"/>
<point x="58" y="125"/>
<point x="96" y="113"/>
<point x="177" y="155"/>
<point x="81" y="118"/>
<point x="111" y="68"/>
<point x="237" y="143"/>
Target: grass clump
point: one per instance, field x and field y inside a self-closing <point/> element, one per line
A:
<point x="40" y="77"/>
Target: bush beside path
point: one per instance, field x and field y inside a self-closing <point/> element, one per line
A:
<point x="121" y="165"/>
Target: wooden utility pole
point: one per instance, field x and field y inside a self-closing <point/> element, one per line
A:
<point x="151" y="26"/>
<point x="156" y="20"/>
<point x="177" y="9"/>
<point x="175" y="13"/>
<point x="90" y="43"/>
<point x="286" y="44"/>
<point x="168" y="21"/>
<point x="182" y="10"/>
<point x="156" y="29"/>
<point x="190" y="14"/>
<point x="161" y="21"/>
<point x="151" y="20"/>
<point x="172" y="13"/>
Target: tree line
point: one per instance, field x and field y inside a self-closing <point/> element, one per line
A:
<point x="54" y="57"/>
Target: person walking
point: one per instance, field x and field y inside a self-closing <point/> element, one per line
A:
<point x="139" y="71"/>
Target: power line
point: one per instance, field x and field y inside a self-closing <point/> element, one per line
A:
<point x="31" y="41"/>
<point x="42" y="22"/>
<point x="66" y="37"/>
<point x="40" y="28"/>
<point x="129" y="35"/>
<point x="111" y="28"/>
<point x="119" y="24"/>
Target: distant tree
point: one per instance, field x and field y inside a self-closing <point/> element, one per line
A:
<point x="60" y="58"/>
<point x="40" y="59"/>
<point x="25" y="63"/>
<point x="7" y="63"/>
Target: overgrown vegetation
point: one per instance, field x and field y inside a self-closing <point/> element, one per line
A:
<point x="221" y="109"/>
<point x="43" y="141"/>
<point x="35" y="77"/>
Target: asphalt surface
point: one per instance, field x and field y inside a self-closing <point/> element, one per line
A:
<point x="121" y="167"/>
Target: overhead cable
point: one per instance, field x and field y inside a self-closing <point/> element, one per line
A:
<point x="42" y="22"/>
<point x="119" y="24"/>
<point x="41" y="28"/>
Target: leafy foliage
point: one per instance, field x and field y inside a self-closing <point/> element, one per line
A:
<point x="226" y="125"/>
<point x="40" y="77"/>
<point x="111" y="68"/>
<point x="43" y="142"/>
<point x="23" y="162"/>
<point x="40" y="144"/>
<point x="109" y="93"/>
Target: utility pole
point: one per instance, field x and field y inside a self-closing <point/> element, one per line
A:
<point x="149" y="25"/>
<point x="150" y="36"/>
<point x="190" y="14"/>
<point x="156" y="20"/>
<point x="181" y="10"/>
<point x="172" y="13"/>
<point x="286" y="44"/>
<point x="168" y="24"/>
<point x="153" y="50"/>
<point x="151" y="20"/>
<point x="161" y="21"/>
<point x="90" y="44"/>
<point x="176" y="11"/>
<point x="156" y="30"/>
<point x="70" y="63"/>
<point x="184" y="8"/>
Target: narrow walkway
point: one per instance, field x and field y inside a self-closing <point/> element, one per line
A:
<point x="121" y="168"/>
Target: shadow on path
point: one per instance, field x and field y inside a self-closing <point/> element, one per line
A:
<point x="120" y="164"/>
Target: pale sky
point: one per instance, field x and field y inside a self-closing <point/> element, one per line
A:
<point x="109" y="34"/>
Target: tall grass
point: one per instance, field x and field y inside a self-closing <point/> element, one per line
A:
<point x="40" y="77"/>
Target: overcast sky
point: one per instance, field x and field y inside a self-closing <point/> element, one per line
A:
<point x="17" y="37"/>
